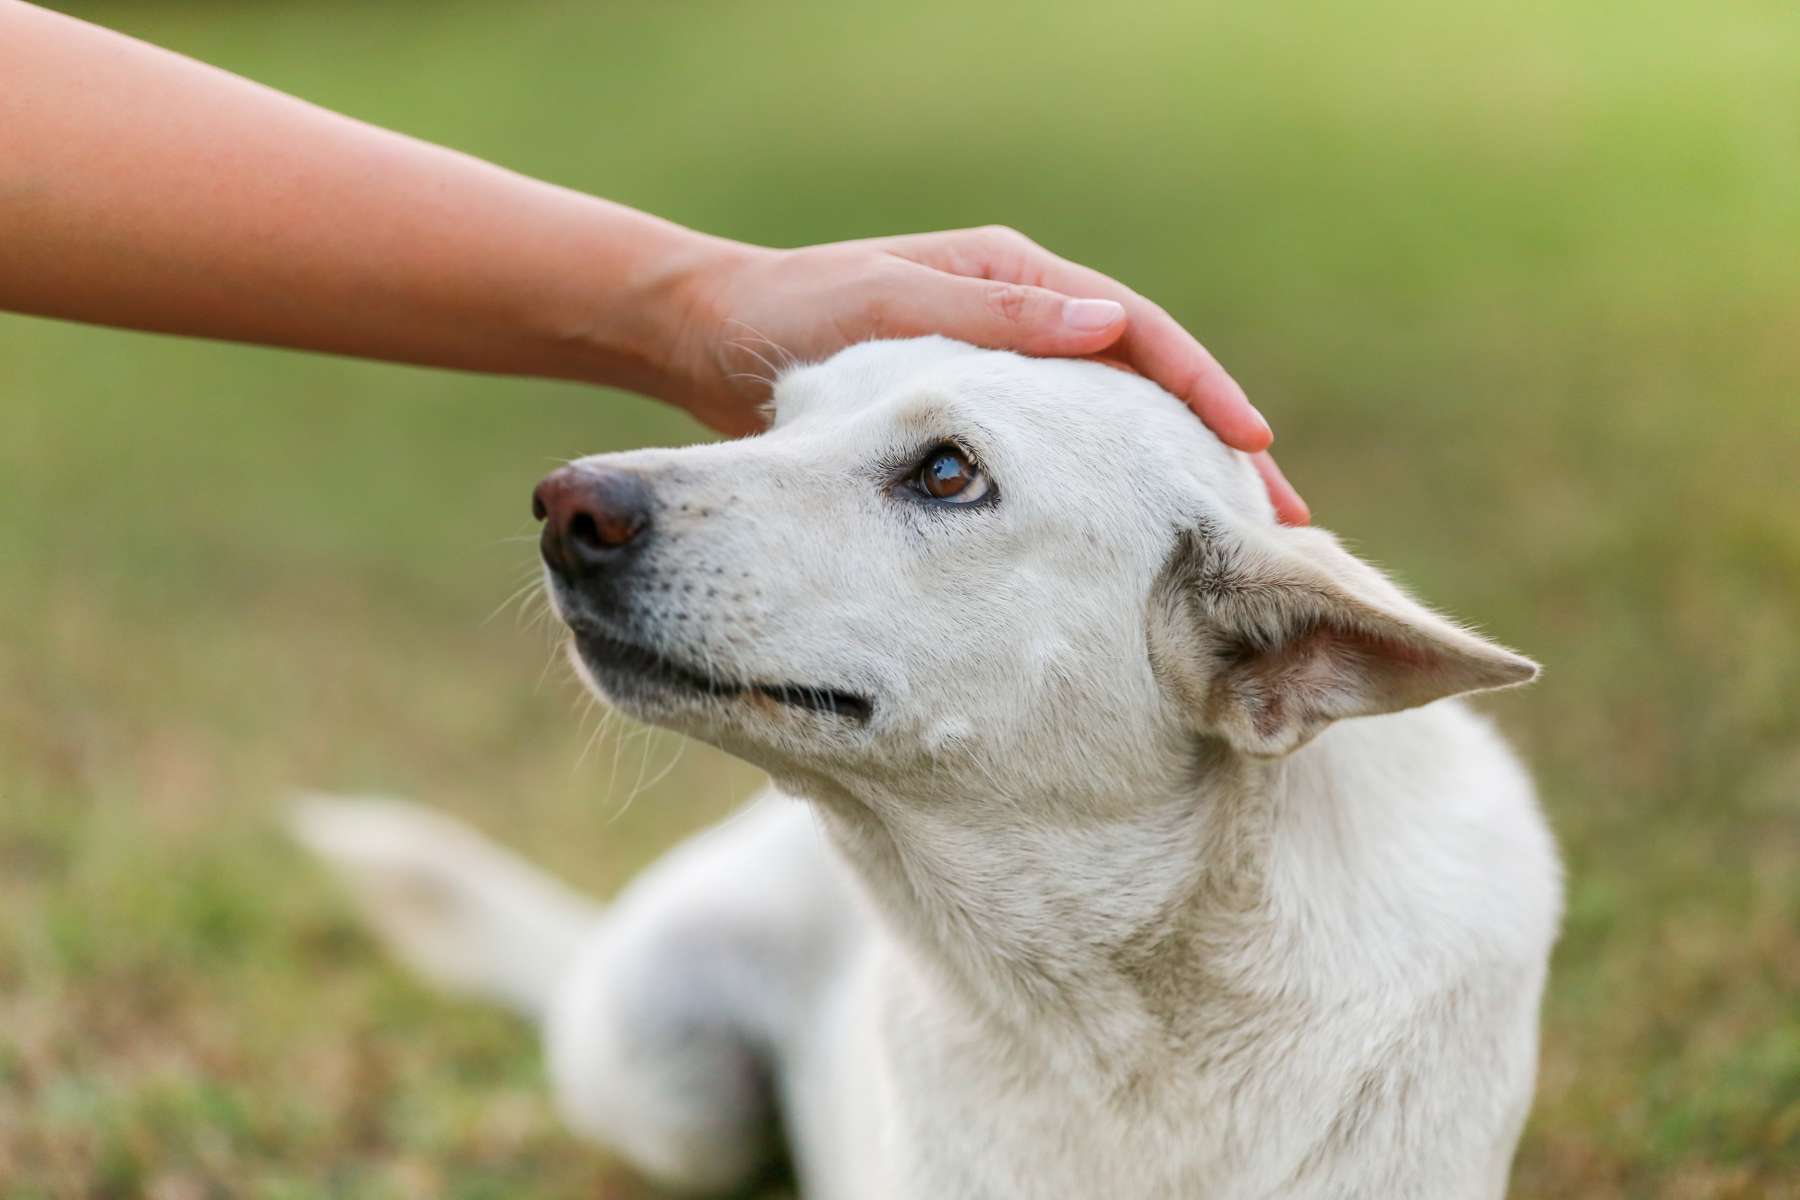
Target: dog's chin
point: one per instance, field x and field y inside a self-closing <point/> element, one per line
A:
<point x="663" y="689"/>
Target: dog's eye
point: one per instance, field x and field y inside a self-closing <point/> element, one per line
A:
<point x="948" y="474"/>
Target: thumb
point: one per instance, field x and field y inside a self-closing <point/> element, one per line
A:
<point x="1002" y="316"/>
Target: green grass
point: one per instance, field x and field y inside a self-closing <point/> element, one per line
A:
<point x="1518" y="286"/>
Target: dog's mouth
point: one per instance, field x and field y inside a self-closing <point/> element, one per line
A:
<point x="612" y="657"/>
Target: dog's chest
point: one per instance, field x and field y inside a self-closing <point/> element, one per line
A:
<point x="976" y="1116"/>
<point x="1275" y="1110"/>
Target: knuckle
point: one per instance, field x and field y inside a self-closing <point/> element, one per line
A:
<point x="1010" y="301"/>
<point x="877" y="314"/>
<point x="892" y="273"/>
<point x="1005" y="237"/>
<point x="1188" y="386"/>
<point x="884" y="306"/>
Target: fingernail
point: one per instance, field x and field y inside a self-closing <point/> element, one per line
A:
<point x="1268" y="429"/>
<point x="1091" y="315"/>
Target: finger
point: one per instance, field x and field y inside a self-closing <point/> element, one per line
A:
<point x="1290" y="509"/>
<point x="998" y="314"/>
<point x="1156" y="345"/>
<point x="1161" y="349"/>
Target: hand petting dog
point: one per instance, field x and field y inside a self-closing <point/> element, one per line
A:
<point x="145" y="190"/>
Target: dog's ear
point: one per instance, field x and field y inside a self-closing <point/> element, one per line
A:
<point x="1268" y="635"/>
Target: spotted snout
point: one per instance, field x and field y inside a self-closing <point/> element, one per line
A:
<point x="598" y="523"/>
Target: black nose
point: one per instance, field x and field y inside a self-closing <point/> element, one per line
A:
<point x="592" y="517"/>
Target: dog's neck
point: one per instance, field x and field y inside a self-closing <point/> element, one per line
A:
<point x="1090" y="920"/>
<point x="1218" y="894"/>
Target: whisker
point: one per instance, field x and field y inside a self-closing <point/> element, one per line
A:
<point x="519" y="594"/>
<point x="681" y="745"/>
<point x="788" y="359"/>
<point x="773" y="370"/>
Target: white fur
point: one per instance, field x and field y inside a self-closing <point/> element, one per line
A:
<point x="1106" y="899"/>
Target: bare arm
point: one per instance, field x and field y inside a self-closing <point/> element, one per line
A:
<point x="142" y="189"/>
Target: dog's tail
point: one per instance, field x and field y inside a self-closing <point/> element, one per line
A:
<point x="458" y="909"/>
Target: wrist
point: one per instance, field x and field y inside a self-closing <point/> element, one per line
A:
<point x="644" y="314"/>
<point x="685" y="309"/>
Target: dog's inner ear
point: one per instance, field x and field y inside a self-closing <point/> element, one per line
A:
<point x="1267" y="636"/>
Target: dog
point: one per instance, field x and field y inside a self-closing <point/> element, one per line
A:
<point x="1125" y="842"/>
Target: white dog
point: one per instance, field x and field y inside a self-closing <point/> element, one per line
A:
<point x="1097" y="890"/>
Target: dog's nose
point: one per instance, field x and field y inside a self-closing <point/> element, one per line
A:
<point x="592" y="516"/>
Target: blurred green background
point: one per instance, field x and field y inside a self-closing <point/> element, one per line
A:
<point x="1519" y="286"/>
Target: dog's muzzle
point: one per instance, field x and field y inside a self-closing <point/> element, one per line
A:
<point x="597" y="522"/>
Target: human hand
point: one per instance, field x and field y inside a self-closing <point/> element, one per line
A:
<point x="241" y="213"/>
<point x="748" y="306"/>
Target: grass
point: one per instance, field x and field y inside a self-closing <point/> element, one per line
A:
<point x="1516" y="284"/>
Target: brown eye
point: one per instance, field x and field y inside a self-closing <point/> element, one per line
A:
<point x="949" y="475"/>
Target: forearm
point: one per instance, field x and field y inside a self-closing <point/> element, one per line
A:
<point x="141" y="189"/>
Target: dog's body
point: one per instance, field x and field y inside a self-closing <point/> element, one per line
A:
<point x="1089" y="892"/>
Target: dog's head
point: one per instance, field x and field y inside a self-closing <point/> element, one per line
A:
<point x="1041" y="570"/>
